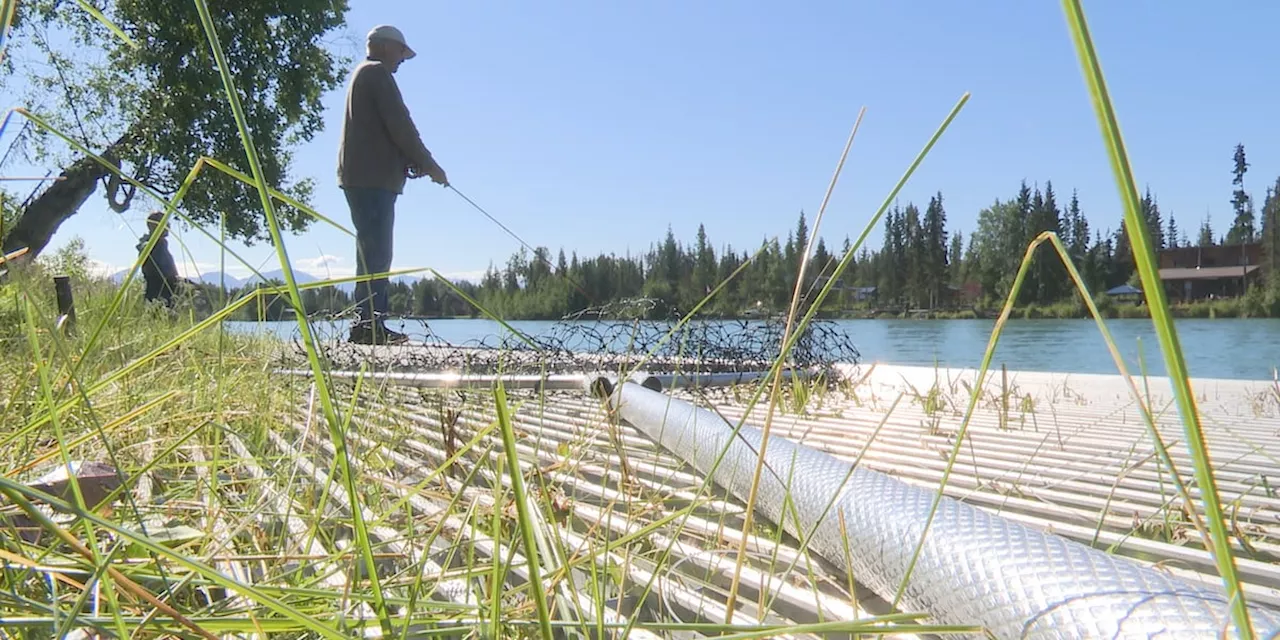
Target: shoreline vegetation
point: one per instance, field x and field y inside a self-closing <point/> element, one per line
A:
<point x="1249" y="306"/>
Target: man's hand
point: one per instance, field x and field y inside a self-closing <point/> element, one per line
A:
<point x="435" y="172"/>
<point x="438" y="176"/>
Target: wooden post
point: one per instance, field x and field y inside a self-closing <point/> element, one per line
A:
<point x="6" y="259"/>
<point x="1004" y="397"/>
<point x="66" y="304"/>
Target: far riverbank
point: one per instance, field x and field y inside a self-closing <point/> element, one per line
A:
<point x="1247" y="307"/>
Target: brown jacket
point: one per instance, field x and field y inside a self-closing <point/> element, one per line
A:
<point x="379" y="139"/>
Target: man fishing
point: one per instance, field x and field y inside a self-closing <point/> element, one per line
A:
<point x="379" y="149"/>
<point x="159" y="271"/>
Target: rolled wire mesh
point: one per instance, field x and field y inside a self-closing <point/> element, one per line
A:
<point x="634" y="333"/>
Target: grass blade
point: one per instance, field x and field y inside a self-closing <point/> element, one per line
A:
<point x="106" y="22"/>
<point x="777" y="375"/>
<point x="8" y="9"/>
<point x="522" y="510"/>
<point x="317" y="369"/>
<point x="1166" y="334"/>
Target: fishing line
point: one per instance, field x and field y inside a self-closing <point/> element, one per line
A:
<point x="535" y="253"/>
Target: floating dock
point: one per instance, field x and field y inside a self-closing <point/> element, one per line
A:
<point x="1067" y="454"/>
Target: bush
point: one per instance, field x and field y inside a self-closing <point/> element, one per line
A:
<point x="1254" y="303"/>
<point x="70" y="260"/>
<point x="1273" y="302"/>
<point x="1106" y="306"/>
<point x="1132" y="311"/>
<point x="1229" y="308"/>
<point x="1193" y="310"/>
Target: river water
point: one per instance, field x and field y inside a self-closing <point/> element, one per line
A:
<point x="1218" y="348"/>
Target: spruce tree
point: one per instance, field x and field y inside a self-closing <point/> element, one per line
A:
<point x="868" y="274"/>
<point x="1242" y="228"/>
<point x="821" y="266"/>
<point x="972" y="262"/>
<point x="1205" y="239"/>
<point x="1052" y="274"/>
<point x="955" y="260"/>
<point x="894" y="272"/>
<point x="853" y="270"/>
<point x="1107" y="268"/>
<point x="1033" y="285"/>
<point x="1079" y="245"/>
<point x="935" y="251"/>
<point x="1121" y="257"/>
<point x="917" y="257"/>
<point x="1151" y="214"/>
<point x="704" y="273"/>
<point x="802" y="236"/>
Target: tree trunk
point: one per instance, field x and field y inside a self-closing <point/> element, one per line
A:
<point x="41" y="219"/>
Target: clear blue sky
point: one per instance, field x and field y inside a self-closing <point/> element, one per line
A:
<point x="595" y="125"/>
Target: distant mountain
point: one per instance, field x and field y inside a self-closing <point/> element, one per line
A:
<point x="213" y="278"/>
<point x="216" y="277"/>
<point x="302" y="277"/>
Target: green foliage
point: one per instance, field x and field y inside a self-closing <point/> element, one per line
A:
<point x="999" y="246"/>
<point x="70" y="260"/>
<point x="160" y="105"/>
<point x="1104" y="303"/>
<point x="8" y="212"/>
<point x="1271" y="239"/>
<point x="1253" y="304"/>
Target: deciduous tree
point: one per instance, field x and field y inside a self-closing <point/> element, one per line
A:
<point x="155" y="108"/>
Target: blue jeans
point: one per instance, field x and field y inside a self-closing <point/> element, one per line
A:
<point x="373" y="212"/>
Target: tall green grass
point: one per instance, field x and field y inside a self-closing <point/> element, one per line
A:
<point x="141" y="388"/>
<point x="1175" y="363"/>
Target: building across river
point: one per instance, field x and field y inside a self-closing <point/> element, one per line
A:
<point x="1220" y="271"/>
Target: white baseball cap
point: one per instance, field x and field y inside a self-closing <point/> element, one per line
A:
<point x="388" y="32"/>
